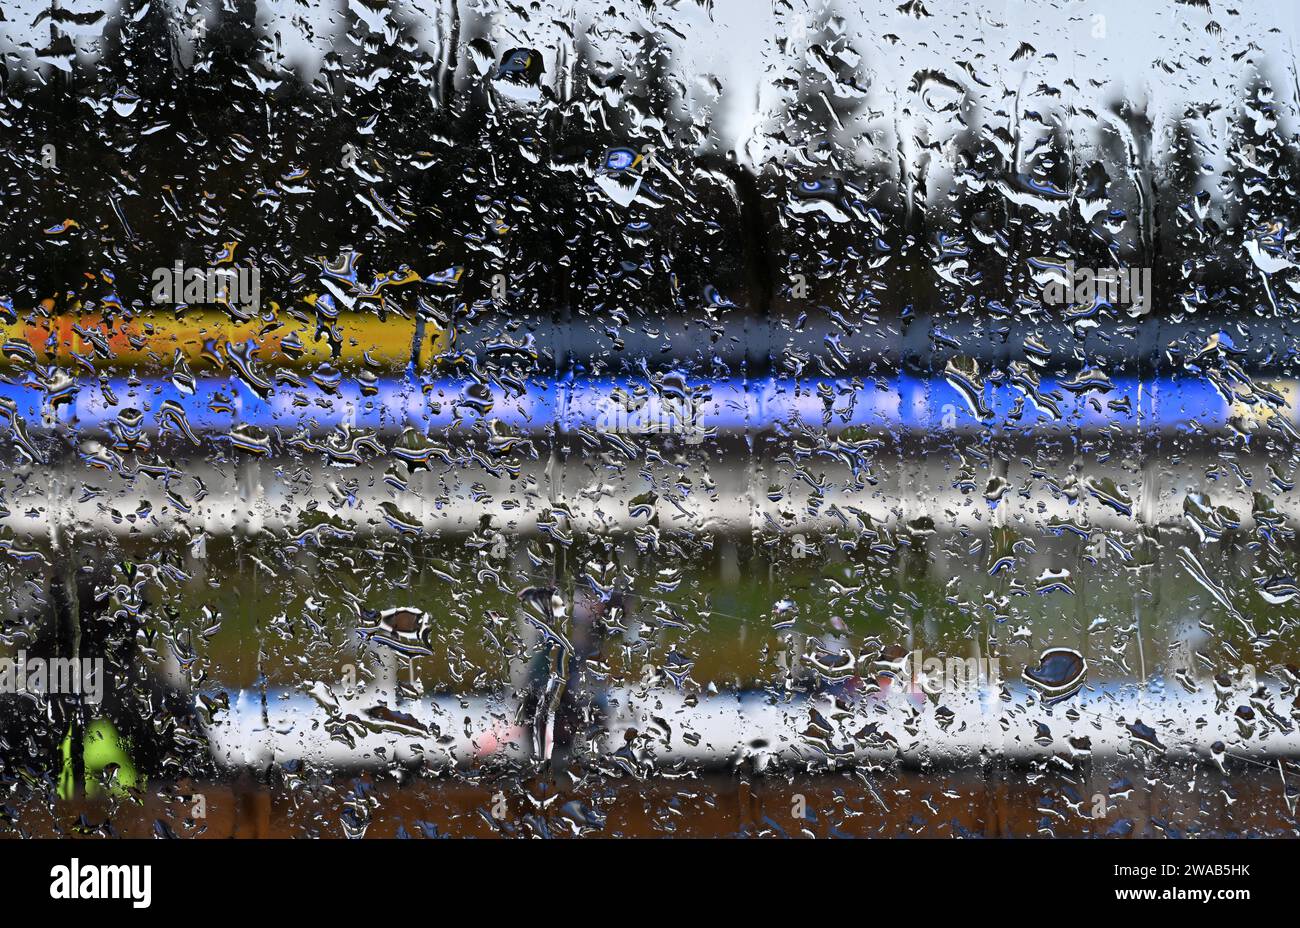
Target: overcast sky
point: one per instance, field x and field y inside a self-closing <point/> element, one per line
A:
<point x="1158" y="53"/>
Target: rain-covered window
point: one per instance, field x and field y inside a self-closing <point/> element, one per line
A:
<point x="712" y="417"/>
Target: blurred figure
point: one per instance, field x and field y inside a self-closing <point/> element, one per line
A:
<point x="559" y="707"/>
<point x="544" y="611"/>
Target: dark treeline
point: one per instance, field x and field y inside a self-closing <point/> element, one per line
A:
<point x="171" y="145"/>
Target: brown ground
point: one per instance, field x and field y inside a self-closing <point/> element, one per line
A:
<point x="1168" y="802"/>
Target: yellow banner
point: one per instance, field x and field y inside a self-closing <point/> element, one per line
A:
<point x="149" y="343"/>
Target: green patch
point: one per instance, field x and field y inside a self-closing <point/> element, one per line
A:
<point x="103" y="749"/>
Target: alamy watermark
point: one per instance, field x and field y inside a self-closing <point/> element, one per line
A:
<point x="53" y="676"/>
<point x="656" y="416"/>
<point x="1071" y="285"/>
<point x="235" y="286"/>
<point x="936" y="675"/>
<point x="75" y="880"/>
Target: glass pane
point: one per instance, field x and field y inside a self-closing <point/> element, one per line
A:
<point x="702" y="418"/>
